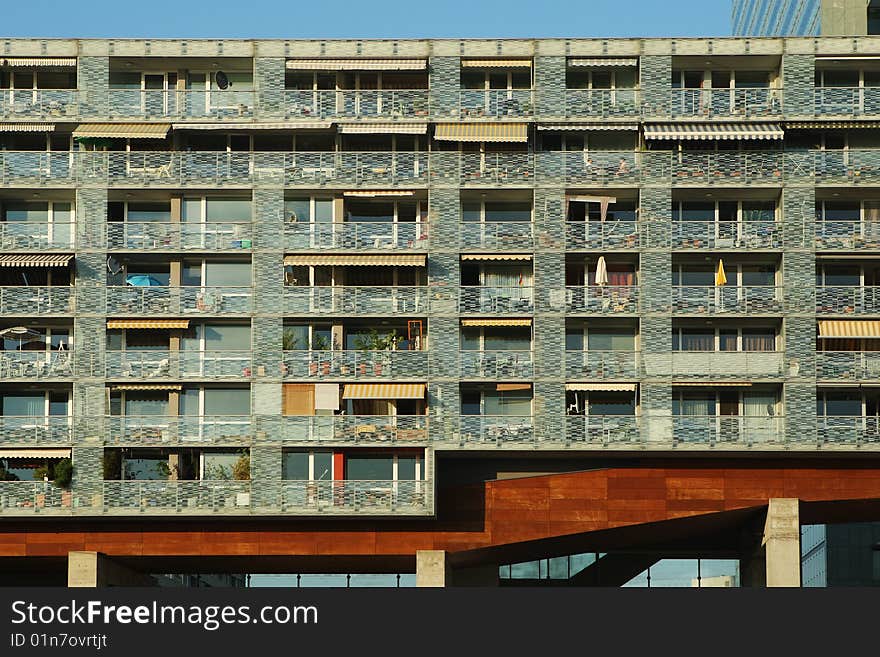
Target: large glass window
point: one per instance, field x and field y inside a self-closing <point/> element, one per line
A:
<point x="227" y="338"/>
<point x="228" y="210"/>
<point x="507" y="402"/>
<point x="369" y="467"/>
<point x="227" y="401"/>
<point x="24" y="405"/>
<point x="144" y="403"/>
<point x="231" y="274"/>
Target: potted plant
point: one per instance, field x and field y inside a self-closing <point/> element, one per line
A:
<point x="321" y="343"/>
<point x="241" y="471"/>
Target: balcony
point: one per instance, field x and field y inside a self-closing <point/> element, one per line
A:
<point x="215" y="105"/>
<point x="602" y="103"/>
<point x="846" y="101"/>
<point x="722" y="365"/>
<point x="726" y="235"/>
<point x="352" y="365"/>
<point x="38" y="168"/>
<point x="36" y="300"/>
<point x="493" y="300"/>
<point x="36" y="237"/>
<point x="496" y="235"/>
<point x="357" y="236"/>
<point x="150" y="430"/>
<point x="162" y="497"/>
<point x="36" y="498"/>
<point x="602" y="299"/>
<point x="189" y="301"/>
<point x="848" y="300"/>
<point x="362" y="497"/>
<point x="722" y="168"/>
<point x="41" y="430"/>
<point x="726" y="299"/>
<point x="734" y="431"/>
<point x="495" y="103"/>
<point x="604" y="235"/>
<point x="592" y="169"/>
<point x="846" y="167"/>
<point x="494" y="169"/>
<point x="155" y="236"/>
<point x="345" y="429"/>
<point x="847" y="365"/>
<point x="726" y="103"/>
<point x="496" y="430"/>
<point x="607" y="431"/>
<point x="391" y="105"/>
<point x="352" y="300"/>
<point x="495" y="365"/>
<point x="36" y="365"/>
<point x="847" y="236"/>
<point x="850" y="431"/>
<point x="51" y="104"/>
<point x="602" y="364"/>
<point x="178" y="365"/>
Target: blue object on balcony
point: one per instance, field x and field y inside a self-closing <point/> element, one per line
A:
<point x="142" y="280"/>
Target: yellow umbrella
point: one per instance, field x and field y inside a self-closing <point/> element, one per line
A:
<point x="720" y="276"/>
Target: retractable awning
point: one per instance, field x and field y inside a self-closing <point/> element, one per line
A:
<point x="496" y="322"/>
<point x="512" y="387"/>
<point x="384" y="391"/>
<point x="583" y="198"/>
<point x="712" y="384"/>
<point x="290" y="125"/>
<point x="148" y="386"/>
<point x="866" y="328"/>
<point x="520" y="257"/>
<point x="27" y="127"/>
<point x="39" y="62"/>
<point x="372" y="193"/>
<point x="583" y="127"/>
<point x="833" y="125"/>
<point x="35" y="260"/>
<point x="122" y="131"/>
<point x="46" y="453"/>
<point x="357" y="260"/>
<point x="491" y="132"/>
<point x="601" y="387"/>
<point x="302" y="64"/>
<point x="147" y="323"/>
<point x="712" y="131"/>
<point x="602" y="62"/>
<point x="383" y="128"/>
<point x="497" y="63"/>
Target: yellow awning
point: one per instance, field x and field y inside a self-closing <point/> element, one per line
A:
<point x="27" y="127"/>
<point x="493" y="132"/>
<point x="383" y="128"/>
<point x="122" y="130"/>
<point x="38" y="62"/>
<point x="384" y="391"/>
<point x="511" y="387"/>
<point x="521" y="257"/>
<point x="602" y="387"/>
<point x="289" y="125"/>
<point x="148" y="386"/>
<point x="496" y="63"/>
<point x="39" y="453"/>
<point x="496" y="322"/>
<point x="35" y="260"/>
<point x="865" y="328"/>
<point x="373" y="193"/>
<point x="147" y="323"/>
<point x="357" y="260"/>
<point x="303" y="64"/>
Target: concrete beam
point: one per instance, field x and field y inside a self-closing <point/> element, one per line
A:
<point x="432" y="569"/>
<point x="782" y="543"/>
<point x="96" y="570"/>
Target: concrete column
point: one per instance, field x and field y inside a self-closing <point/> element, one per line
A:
<point x="432" y="569"/>
<point x="96" y="570"/>
<point x="782" y="543"/>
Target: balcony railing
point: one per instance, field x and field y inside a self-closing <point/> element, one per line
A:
<point x="603" y="430"/>
<point x="381" y="429"/>
<point x="846" y="101"/>
<point x="357" y="236"/>
<point x="847" y="365"/>
<point x="496" y="103"/>
<point x="34" y="497"/>
<point x="39" y="103"/>
<point x="161" y="497"/>
<point x="726" y="102"/>
<point x="38" y="168"/>
<point x="853" y="430"/>
<point x="36" y="365"/>
<point x="733" y="235"/>
<point x="35" y="236"/>
<point x="496" y="235"/>
<point x="704" y="168"/>
<point x="36" y="430"/>
<point x="181" y="104"/>
<point x="602" y="299"/>
<point x="365" y="300"/>
<point x="847" y="235"/>
<point x="361" y="496"/>
<point x="602" y="364"/>
<point x="605" y="103"/>
<point x="168" y="429"/>
<point x="835" y="166"/>
<point x="496" y="365"/>
<point x="28" y="300"/>
<point x="588" y="235"/>
<point x="726" y="299"/>
<point x="594" y="168"/>
<point x="391" y="104"/>
<point x="733" y="430"/>
<point x="155" y="236"/>
<point x="496" y="300"/>
<point x="355" y="364"/>
<point x="164" y="300"/>
<point x="496" y="169"/>
<point x="848" y="300"/>
<point x="715" y="365"/>
<point x="496" y="430"/>
<point x="172" y="365"/>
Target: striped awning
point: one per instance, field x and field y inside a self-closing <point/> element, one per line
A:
<point x="833" y="125"/>
<point x="602" y="62"/>
<point x="122" y="130"/>
<point x="27" y="127"/>
<point x="384" y="391"/>
<point x="602" y="387"/>
<point x="496" y="322"/>
<point x="865" y="328"/>
<point x="583" y="198"/>
<point x="148" y="386"/>
<point x="35" y="260"/>
<point x="583" y="127"/>
<point x="289" y="125"/>
<point x="37" y="453"/>
<point x="39" y="62"/>
<point x="511" y="387"/>
<point x="712" y="384"/>
<point x="496" y="63"/>
<point x="521" y="257"/>
<point x="302" y="64"/>
<point x="357" y="260"/>
<point x="492" y="132"/>
<point x="383" y="128"/>
<point x="372" y="193"/>
<point x="147" y="323"/>
<point x="710" y="131"/>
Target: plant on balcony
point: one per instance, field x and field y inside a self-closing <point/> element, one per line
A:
<point x="111" y="464"/>
<point x="164" y="470"/>
<point x="5" y="475"/>
<point x="63" y="473"/>
<point x="289" y="340"/>
<point x="241" y="469"/>
<point x="375" y="341"/>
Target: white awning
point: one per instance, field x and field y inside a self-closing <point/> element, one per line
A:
<point x="39" y="62"/>
<point x="38" y="453"/>
<point x="591" y="199"/>
<point x="602" y="62"/>
<point x="373" y="193"/>
<point x="712" y="131"/>
<point x="522" y="257"/>
<point x="290" y="125"/>
<point x="302" y="64"/>
<point x="602" y="387"/>
<point x="35" y="260"/>
<point x="584" y="127"/>
<point x="383" y="128"/>
<point x="496" y="63"/>
<point x="27" y="127"/>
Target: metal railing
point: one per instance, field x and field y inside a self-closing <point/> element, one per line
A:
<point x="36" y="430"/>
<point x="356" y="300"/>
<point x="602" y="299"/>
<point x="35" y="497"/>
<point x="36" y="365"/>
<point x="495" y="169"/>
<point x="361" y="496"/>
<point x="496" y="429"/>
<point x="172" y="429"/>
<point x="40" y="168"/>
<point x="496" y="365"/>
<point x="165" y="300"/>
<point x="216" y="104"/>
<point x="726" y="299"/>
<point x="847" y="365"/>
<point x="177" y="236"/>
<point x="39" y="103"/>
<point x="597" y="168"/>
<point x="496" y="235"/>
<point x="846" y="101"/>
<point x="745" y="235"/>
<point x="495" y="300"/>
<point x="603" y="430"/>
<point x="391" y="104"/>
<point x="583" y="235"/>
<point x="173" y="365"/>
<point x="715" y="365"/>
<point x="357" y="235"/>
<point x="847" y="235"/>
<point x="853" y="430"/>
<point x="735" y="430"/>
<point x="355" y="364"/>
<point x="726" y="102"/>
<point x="602" y="364"/>
<point x="348" y="429"/>
<point x="42" y="300"/>
<point x="179" y="496"/>
<point x="605" y="103"/>
<point x="848" y="300"/>
<point x="496" y="103"/>
<point x="722" y="168"/>
<point x="36" y="236"/>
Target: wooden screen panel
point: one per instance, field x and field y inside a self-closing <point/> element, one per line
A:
<point x="298" y="399"/>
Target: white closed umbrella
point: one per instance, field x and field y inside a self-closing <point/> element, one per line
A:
<point x="601" y="272"/>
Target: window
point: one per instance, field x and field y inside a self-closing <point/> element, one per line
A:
<point x="308" y="466"/>
<point x="309" y="209"/>
<point x="514" y="401"/>
<point x="601" y="78"/>
<point x="496" y="338"/>
<point x="724" y="339"/>
<point x="383" y="467"/>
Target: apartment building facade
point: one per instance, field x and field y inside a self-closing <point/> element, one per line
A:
<point x="805" y="17"/>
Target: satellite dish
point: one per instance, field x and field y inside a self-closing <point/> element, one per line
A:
<point x="113" y="265"/>
<point x="222" y="80"/>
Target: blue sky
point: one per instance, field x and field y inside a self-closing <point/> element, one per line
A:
<point x="346" y="19"/>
